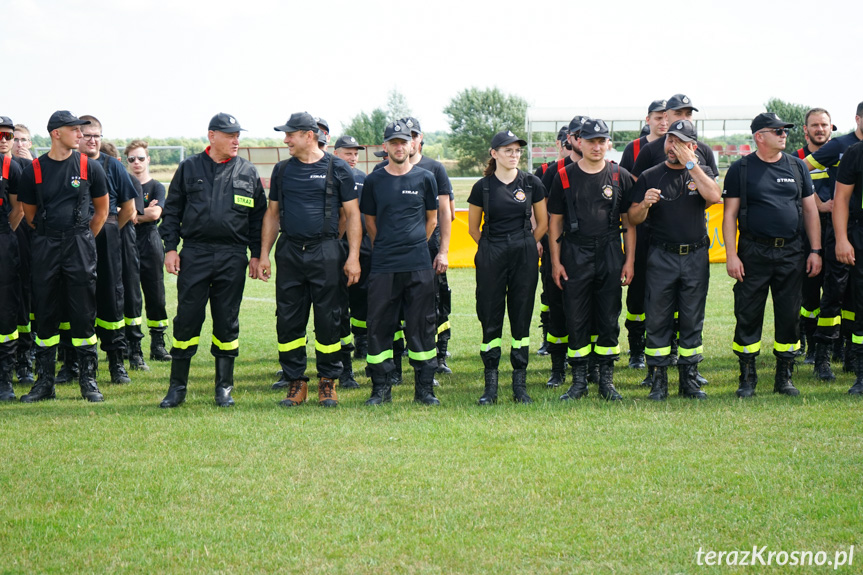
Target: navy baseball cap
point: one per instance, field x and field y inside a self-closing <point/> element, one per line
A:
<point x="348" y="142"/>
<point x="684" y="130"/>
<point x="768" y="120"/>
<point x="562" y="134"/>
<point x="381" y="153"/>
<point x="679" y="102"/>
<point x="299" y="122"/>
<point x="575" y="125"/>
<point x="506" y="138"/>
<point x="322" y="124"/>
<point x="592" y="129"/>
<point x="413" y="124"/>
<point x="6" y="122"/>
<point x="397" y="130"/>
<point x="62" y="118"/>
<point x="657" y="106"/>
<point x="222" y="122"/>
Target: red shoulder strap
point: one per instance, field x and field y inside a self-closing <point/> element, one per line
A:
<point x="560" y="163"/>
<point x="615" y="173"/>
<point x="83" y="166"/>
<point x="636" y="147"/>
<point x="564" y="179"/>
<point x="801" y="153"/>
<point x="544" y="167"/>
<point x="37" y="171"/>
<point x="7" y="161"/>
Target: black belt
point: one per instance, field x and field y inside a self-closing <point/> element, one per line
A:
<point x="61" y="234"/>
<point x="681" y="249"/>
<point x="513" y="236"/>
<point x="308" y="243"/>
<point x="772" y="242"/>
<point x="592" y="241"/>
<point x="111" y="218"/>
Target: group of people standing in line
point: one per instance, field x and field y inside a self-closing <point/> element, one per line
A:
<point x="369" y="254"/>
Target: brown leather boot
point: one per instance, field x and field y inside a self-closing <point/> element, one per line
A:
<point x="297" y="392"/>
<point x="327" y="392"/>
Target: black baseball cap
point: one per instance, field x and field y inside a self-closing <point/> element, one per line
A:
<point x="413" y="124"/>
<point x="348" y="142"/>
<point x="575" y="125"/>
<point x="381" y="153"/>
<point x="397" y="130"/>
<point x="768" y="120"/>
<point x="62" y="118"/>
<point x="506" y="138"/>
<point x="322" y="137"/>
<point x="226" y="123"/>
<point x="657" y="106"/>
<point x="299" y="122"/>
<point x="322" y="124"/>
<point x="6" y="122"/>
<point x="679" y="102"/>
<point x="684" y="130"/>
<point x="562" y="134"/>
<point x="592" y="129"/>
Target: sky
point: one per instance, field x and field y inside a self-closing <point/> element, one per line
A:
<point x="164" y="69"/>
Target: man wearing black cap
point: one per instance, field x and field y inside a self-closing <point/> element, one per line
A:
<point x="562" y="151"/>
<point x="354" y="334"/>
<point x="672" y="197"/>
<point x="307" y="193"/>
<point x="657" y="123"/>
<point x="56" y="192"/>
<point x="587" y="203"/>
<point x="216" y="206"/>
<point x="323" y="133"/>
<point x="400" y="205"/>
<point x="110" y="323"/>
<point x="10" y="280"/>
<point x="848" y="224"/>
<point x="769" y="198"/>
<point x="555" y="326"/>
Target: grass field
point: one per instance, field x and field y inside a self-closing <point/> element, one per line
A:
<point x="580" y="487"/>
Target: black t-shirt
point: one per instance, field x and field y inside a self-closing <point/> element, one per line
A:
<point x="850" y="173"/>
<point x="678" y="217"/>
<point x="830" y="154"/>
<point x="60" y="188"/>
<point x="444" y="187"/>
<point x="508" y="206"/>
<point x="653" y="154"/>
<point x="771" y="194"/>
<point x="153" y="190"/>
<point x="627" y="161"/>
<point x="594" y="197"/>
<point x="551" y="172"/>
<point x="302" y="189"/>
<point x="399" y="205"/>
<point x="120" y="186"/>
<point x="8" y="187"/>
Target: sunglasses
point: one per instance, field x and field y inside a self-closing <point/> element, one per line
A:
<point x="7" y="136"/>
<point x="131" y="159"/>
<point x="777" y="131"/>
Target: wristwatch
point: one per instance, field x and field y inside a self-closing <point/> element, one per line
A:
<point x="817" y="252"/>
<point x="690" y="164"/>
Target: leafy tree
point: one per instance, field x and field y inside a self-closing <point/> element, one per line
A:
<point x="477" y="115"/>
<point x="793" y="114"/>
<point x="397" y="105"/>
<point x="367" y="129"/>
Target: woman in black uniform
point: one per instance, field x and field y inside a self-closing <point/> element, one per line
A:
<point x="507" y="258"/>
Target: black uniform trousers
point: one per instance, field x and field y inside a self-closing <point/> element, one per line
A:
<point x="557" y="337"/>
<point x="388" y="293"/>
<point x="24" y="235"/>
<point x="10" y="288"/>
<point x="506" y="280"/>
<point x="217" y="275"/>
<point x="64" y="283"/>
<point x="592" y="296"/>
<point x="110" y="326"/>
<point x="132" y="302"/>
<point x="836" y="299"/>
<point x="779" y="270"/>
<point x="151" y="255"/>
<point x="358" y="294"/>
<point x="544" y="279"/>
<point x="855" y="236"/>
<point x="637" y="289"/>
<point x="309" y="274"/>
<point x="443" y="295"/>
<point x="675" y="282"/>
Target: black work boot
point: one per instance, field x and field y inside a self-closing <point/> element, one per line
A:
<point x="519" y="386"/>
<point x="424" y="386"/>
<point x="24" y="367"/>
<point x="179" y="380"/>
<point x="837" y="349"/>
<point x="822" y="362"/>
<point x="224" y="381"/>
<point x="807" y="335"/>
<point x="116" y="367"/>
<point x="6" y="391"/>
<point x="88" y="363"/>
<point x="748" y="377"/>
<point x="648" y="379"/>
<point x="688" y="385"/>
<point x="381" y="390"/>
<point x="361" y="346"/>
<point x="606" y="385"/>
<point x="442" y="367"/>
<point x="699" y="379"/>
<point x="157" y="345"/>
<point x="857" y="388"/>
<point x="489" y="395"/>
<point x="543" y="349"/>
<point x="346" y="379"/>
<point x="396" y="375"/>
<point x="578" y="389"/>
<point x="136" y="356"/>
<point x="849" y="358"/>
<point x="69" y="370"/>
<point x="636" y="351"/>
<point x="558" y="369"/>
<point x="44" y="386"/>
<point x="659" y="384"/>
<point x="592" y="370"/>
<point x="782" y="382"/>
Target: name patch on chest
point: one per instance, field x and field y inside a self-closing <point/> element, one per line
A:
<point x="244" y="201"/>
<point x="411" y="192"/>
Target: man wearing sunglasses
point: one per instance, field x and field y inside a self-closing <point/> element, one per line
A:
<point x="769" y="198"/>
<point x="10" y="291"/>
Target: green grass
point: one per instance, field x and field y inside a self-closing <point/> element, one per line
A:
<point x="585" y="487"/>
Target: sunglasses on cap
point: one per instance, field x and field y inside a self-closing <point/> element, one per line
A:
<point x="131" y="159"/>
